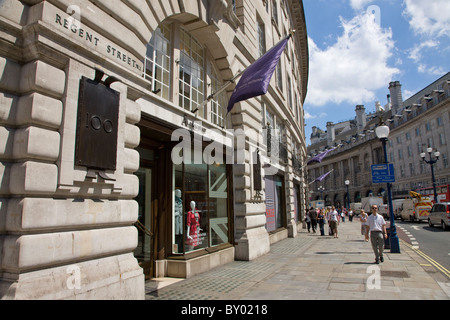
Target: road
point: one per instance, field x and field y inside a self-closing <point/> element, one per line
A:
<point x="432" y="242"/>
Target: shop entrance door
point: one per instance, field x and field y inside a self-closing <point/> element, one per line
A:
<point x="143" y="252"/>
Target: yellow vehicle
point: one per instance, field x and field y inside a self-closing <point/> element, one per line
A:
<point x="417" y="208"/>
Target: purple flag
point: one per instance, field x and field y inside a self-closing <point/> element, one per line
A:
<point x="319" y="158"/>
<point x="256" y="78"/>
<point x="322" y="177"/>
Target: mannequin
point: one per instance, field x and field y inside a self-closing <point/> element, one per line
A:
<point x="193" y="227"/>
<point x="178" y="213"/>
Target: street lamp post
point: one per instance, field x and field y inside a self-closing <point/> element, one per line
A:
<point x="321" y="189"/>
<point x="431" y="162"/>
<point x="382" y="133"/>
<point x="347" y="183"/>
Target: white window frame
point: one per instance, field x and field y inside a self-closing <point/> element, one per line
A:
<point x="158" y="60"/>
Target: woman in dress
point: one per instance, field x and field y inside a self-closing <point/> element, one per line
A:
<point x="364" y="226"/>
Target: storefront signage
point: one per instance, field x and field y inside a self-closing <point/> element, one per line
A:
<point x="71" y="26"/>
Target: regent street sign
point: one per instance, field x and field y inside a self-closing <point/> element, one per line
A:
<point x="72" y="28"/>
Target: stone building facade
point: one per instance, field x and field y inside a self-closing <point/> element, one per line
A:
<point x="98" y="97"/>
<point x="415" y="123"/>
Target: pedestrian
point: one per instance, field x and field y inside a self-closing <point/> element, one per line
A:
<point x="308" y="220"/>
<point x="334" y="221"/>
<point x="364" y="226"/>
<point x="378" y="233"/>
<point x="313" y="217"/>
<point x="350" y="215"/>
<point x="321" y="221"/>
<point x="342" y="214"/>
<point x="327" y="215"/>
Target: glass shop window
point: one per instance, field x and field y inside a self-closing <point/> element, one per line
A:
<point x="158" y="61"/>
<point x="200" y="218"/>
<point x="274" y="203"/>
<point x="192" y="73"/>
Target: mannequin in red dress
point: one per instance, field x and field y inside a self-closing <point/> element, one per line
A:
<point x="193" y="227"/>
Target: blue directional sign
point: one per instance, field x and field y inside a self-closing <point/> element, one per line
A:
<point x="383" y="173"/>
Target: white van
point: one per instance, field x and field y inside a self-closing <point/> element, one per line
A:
<point x="366" y="203"/>
<point x="356" y="207"/>
<point x="397" y="207"/>
<point x="383" y="209"/>
<point x="414" y="210"/>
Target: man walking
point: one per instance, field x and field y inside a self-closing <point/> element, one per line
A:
<point x="313" y="216"/>
<point x="377" y="227"/>
<point x="333" y="220"/>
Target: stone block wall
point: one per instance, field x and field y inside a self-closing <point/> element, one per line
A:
<point x="65" y="232"/>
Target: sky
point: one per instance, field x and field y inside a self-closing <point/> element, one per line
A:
<point x="357" y="47"/>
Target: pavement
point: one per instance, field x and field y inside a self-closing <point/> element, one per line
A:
<point x="314" y="267"/>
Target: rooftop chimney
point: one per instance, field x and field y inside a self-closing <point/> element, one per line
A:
<point x="395" y="89"/>
<point x="331" y="133"/>
<point x="361" y="118"/>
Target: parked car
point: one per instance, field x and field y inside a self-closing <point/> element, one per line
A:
<point x="440" y="215"/>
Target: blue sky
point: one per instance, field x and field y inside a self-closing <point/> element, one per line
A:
<point x="357" y="47"/>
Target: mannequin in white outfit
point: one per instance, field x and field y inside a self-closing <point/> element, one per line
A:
<point x="178" y="217"/>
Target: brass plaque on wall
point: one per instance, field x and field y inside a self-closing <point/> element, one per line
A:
<point x="97" y="127"/>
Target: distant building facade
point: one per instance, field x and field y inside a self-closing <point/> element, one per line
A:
<point x="416" y="124"/>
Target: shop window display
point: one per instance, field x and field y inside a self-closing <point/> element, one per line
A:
<point x="200" y="218"/>
<point x="274" y="203"/>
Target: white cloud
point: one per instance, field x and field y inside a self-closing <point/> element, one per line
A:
<point x="435" y="71"/>
<point x="354" y="67"/>
<point x="428" y="18"/>
<point x="415" y="53"/>
<point x="309" y="115"/>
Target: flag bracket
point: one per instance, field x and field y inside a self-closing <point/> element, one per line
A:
<point x="222" y="89"/>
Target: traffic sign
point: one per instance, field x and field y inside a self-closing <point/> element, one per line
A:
<point x="383" y="173"/>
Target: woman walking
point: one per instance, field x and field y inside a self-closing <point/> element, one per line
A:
<point x="321" y="221"/>
<point x="364" y="226"/>
<point x="308" y="219"/>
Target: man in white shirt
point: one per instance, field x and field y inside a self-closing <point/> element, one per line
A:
<point x="377" y="227"/>
<point x="333" y="220"/>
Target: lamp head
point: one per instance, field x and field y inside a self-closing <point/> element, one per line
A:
<point x="382" y="131"/>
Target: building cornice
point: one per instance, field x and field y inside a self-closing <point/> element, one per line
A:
<point x="301" y="38"/>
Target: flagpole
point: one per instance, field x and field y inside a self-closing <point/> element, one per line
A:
<point x="222" y="89"/>
<point x="229" y="82"/>
<point x="319" y="177"/>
